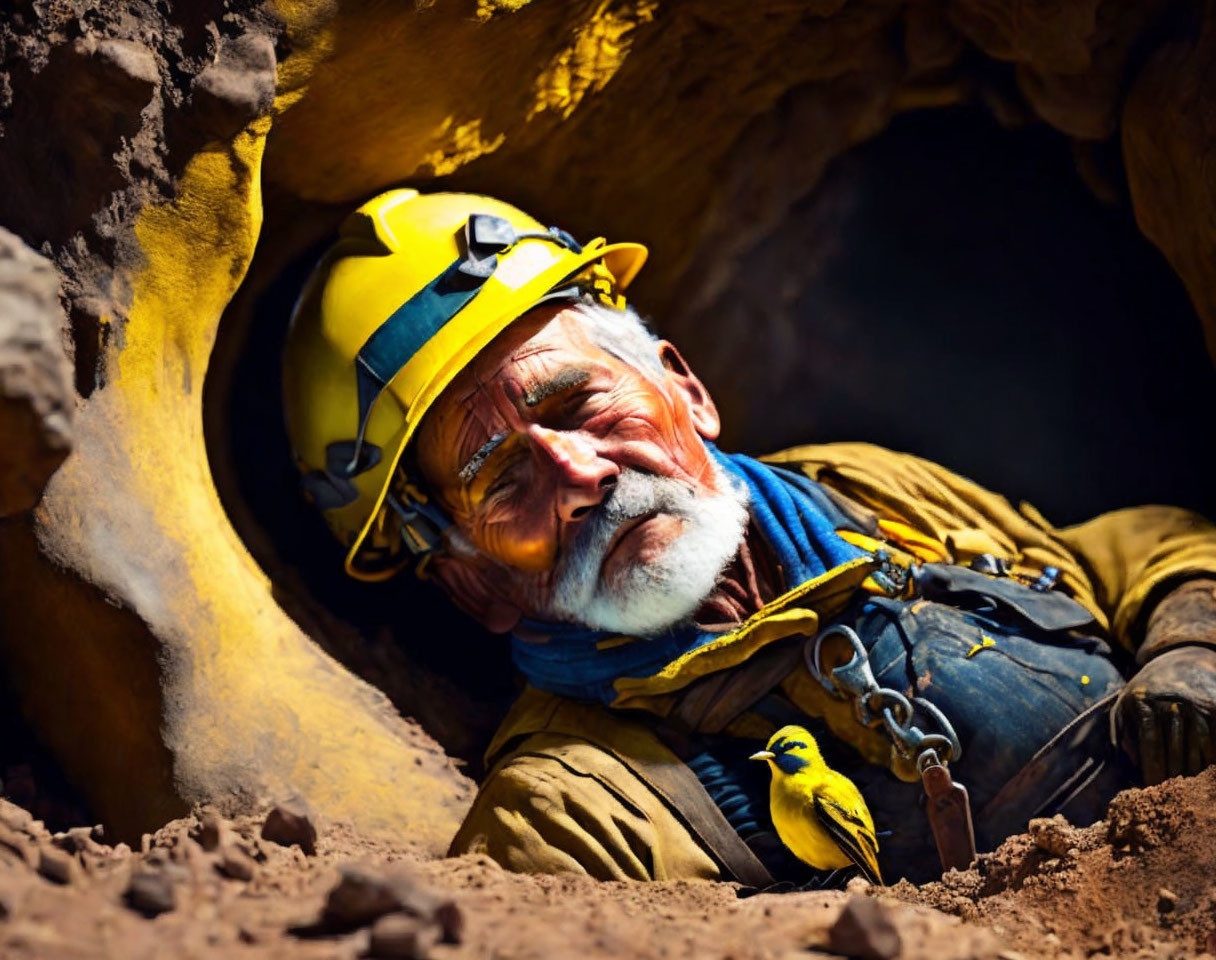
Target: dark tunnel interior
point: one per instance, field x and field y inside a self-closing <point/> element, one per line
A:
<point x="960" y="294"/>
<point x="972" y="302"/>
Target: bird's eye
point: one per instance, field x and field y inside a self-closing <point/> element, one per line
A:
<point x="791" y="744"/>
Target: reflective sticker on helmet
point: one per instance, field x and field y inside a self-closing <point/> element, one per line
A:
<point x="525" y="261"/>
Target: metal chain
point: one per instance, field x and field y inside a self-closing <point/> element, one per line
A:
<point x="882" y="706"/>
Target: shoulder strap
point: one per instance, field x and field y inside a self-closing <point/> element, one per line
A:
<point x="643" y="753"/>
<point x="680" y="789"/>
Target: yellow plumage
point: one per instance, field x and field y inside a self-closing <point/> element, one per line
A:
<point x="819" y="814"/>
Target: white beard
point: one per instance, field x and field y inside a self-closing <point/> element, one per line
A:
<point x="649" y="598"/>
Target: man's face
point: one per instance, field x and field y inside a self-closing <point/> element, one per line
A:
<point x="575" y="477"/>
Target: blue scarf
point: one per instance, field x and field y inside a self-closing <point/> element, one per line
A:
<point x="793" y="516"/>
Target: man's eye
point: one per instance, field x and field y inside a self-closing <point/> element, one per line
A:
<point x="500" y="487"/>
<point x="581" y="403"/>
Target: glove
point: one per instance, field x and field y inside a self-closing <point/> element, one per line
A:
<point x="1167" y="712"/>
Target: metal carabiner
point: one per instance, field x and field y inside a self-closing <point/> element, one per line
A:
<point x="946" y="727"/>
<point x="854" y="678"/>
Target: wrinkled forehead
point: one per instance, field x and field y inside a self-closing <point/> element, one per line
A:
<point x="530" y="353"/>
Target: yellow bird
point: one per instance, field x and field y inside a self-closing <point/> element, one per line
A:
<point x="819" y="814"/>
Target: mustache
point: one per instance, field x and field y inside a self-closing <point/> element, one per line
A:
<point x="647" y="597"/>
<point x="634" y="495"/>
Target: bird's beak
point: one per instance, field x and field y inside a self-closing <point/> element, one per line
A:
<point x="762" y="755"/>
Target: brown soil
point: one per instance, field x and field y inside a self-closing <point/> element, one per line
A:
<point x="1137" y="885"/>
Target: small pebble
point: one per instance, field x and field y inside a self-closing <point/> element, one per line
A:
<point x="235" y="864"/>
<point x="1052" y="835"/>
<point x="57" y="865"/>
<point x="15" y="817"/>
<point x="151" y="893"/>
<point x="210" y="831"/>
<point x="291" y="822"/>
<point x="364" y="894"/>
<point x="864" y="930"/>
<point x="857" y="884"/>
<point x="19" y="843"/>
<point x="76" y="840"/>
<point x="399" y="935"/>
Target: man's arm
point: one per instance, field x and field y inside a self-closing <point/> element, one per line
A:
<point x="558" y="805"/>
<point x="1135" y="557"/>
<point x="1166" y="712"/>
<point x="1119" y="565"/>
<point x="1153" y="570"/>
<point x="1146" y="573"/>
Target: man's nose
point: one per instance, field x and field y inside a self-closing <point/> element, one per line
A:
<point x="584" y="476"/>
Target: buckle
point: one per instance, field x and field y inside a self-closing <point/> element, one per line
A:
<point x="422" y="523"/>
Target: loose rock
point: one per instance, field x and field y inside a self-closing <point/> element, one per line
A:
<point x="211" y="831"/>
<point x="858" y="884"/>
<point x="291" y="822"/>
<point x="15" y="817"/>
<point x="363" y="895"/>
<point x="1052" y="835"/>
<point x="36" y="399"/>
<point x="237" y="87"/>
<point x="57" y="865"/>
<point x="233" y="863"/>
<point x="19" y="844"/>
<point x="75" y="840"/>
<point x="399" y="935"/>
<point x="864" y="930"/>
<point x="151" y="893"/>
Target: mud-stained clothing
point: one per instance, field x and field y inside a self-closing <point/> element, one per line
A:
<point x="651" y="787"/>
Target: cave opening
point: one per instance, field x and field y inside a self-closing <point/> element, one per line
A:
<point x="951" y="288"/>
<point x="956" y="290"/>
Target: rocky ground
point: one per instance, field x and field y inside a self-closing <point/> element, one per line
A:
<point x="1138" y="885"/>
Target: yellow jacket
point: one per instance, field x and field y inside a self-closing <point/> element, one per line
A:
<point x="582" y="787"/>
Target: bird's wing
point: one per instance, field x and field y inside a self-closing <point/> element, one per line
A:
<point x="852" y="835"/>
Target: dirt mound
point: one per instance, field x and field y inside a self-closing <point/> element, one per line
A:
<point x="1137" y="885"/>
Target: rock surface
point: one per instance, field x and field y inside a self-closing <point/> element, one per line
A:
<point x="157" y="116"/>
<point x="36" y="397"/>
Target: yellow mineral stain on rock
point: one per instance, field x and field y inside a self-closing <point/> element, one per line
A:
<point x="488" y="8"/>
<point x="599" y="47"/>
<point x="460" y="143"/>
<point x="280" y="716"/>
<point x="309" y="24"/>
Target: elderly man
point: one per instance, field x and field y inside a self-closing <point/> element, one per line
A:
<point x="468" y="392"/>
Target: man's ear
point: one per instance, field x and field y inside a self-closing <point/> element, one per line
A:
<point x="468" y="581"/>
<point x="700" y="404"/>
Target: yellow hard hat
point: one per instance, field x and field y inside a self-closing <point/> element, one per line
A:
<point x="416" y="286"/>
